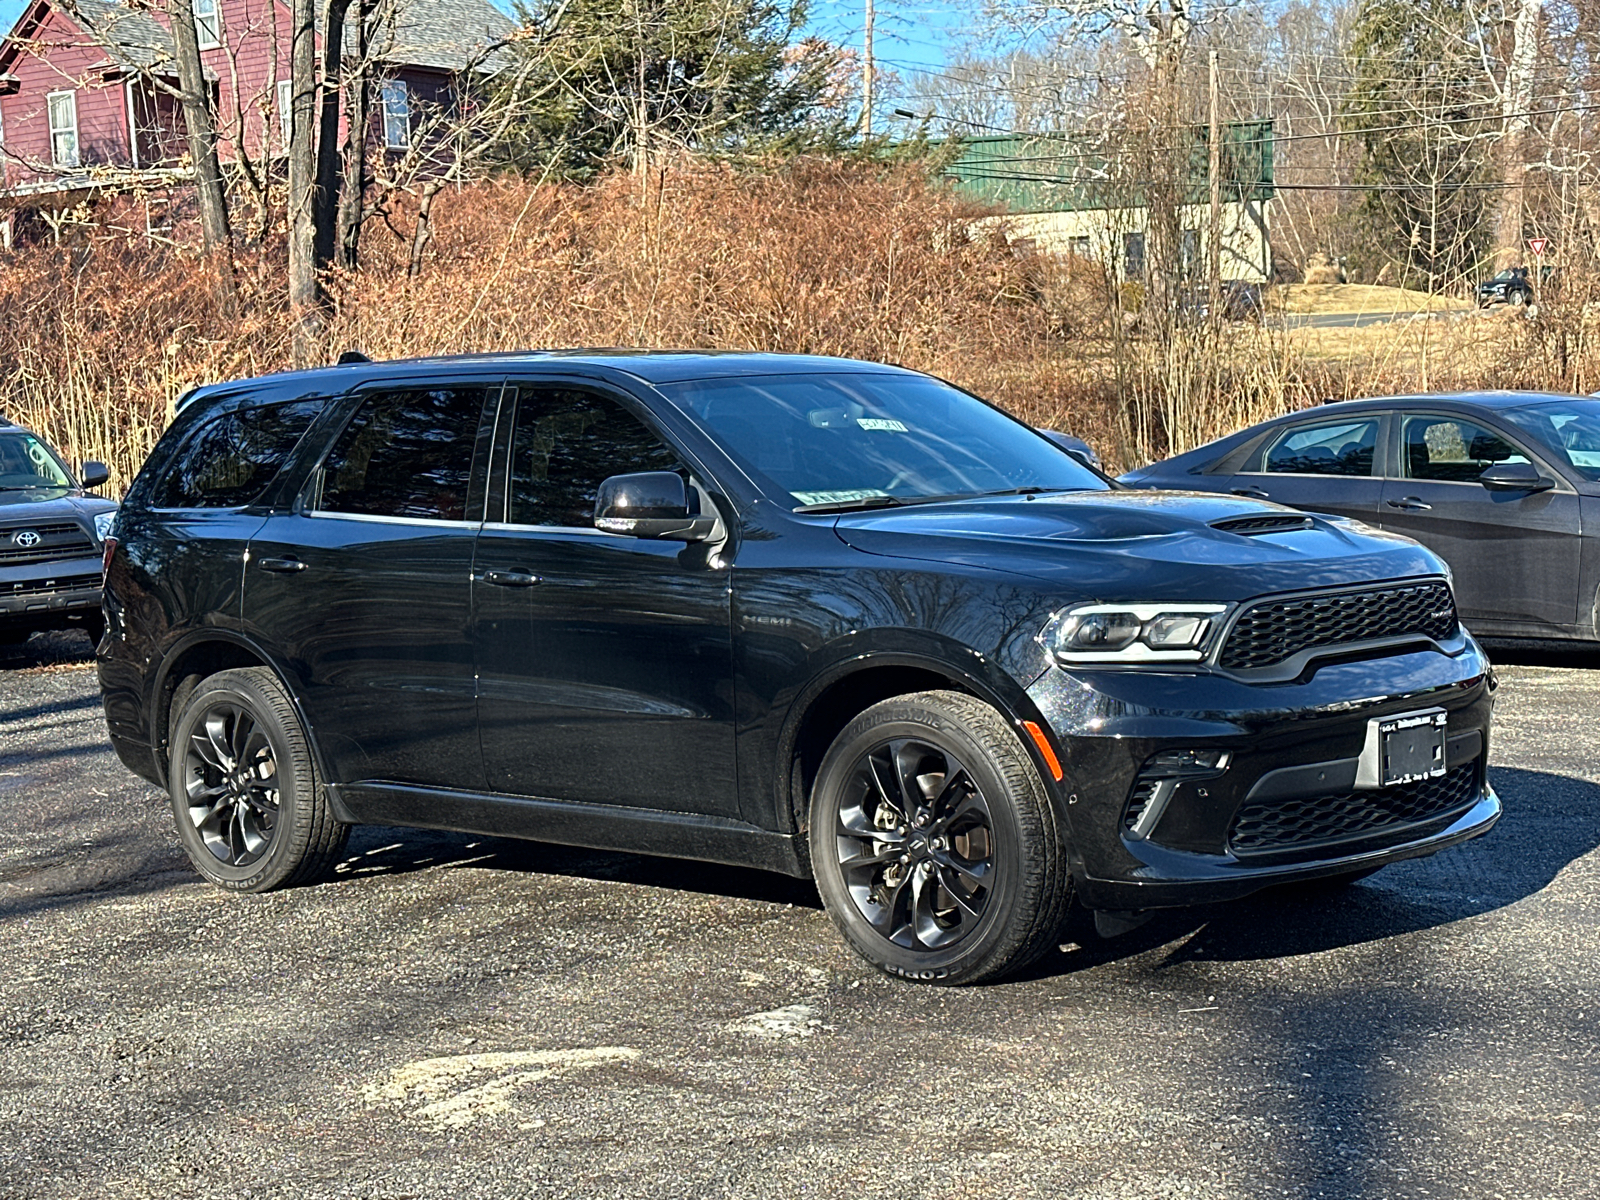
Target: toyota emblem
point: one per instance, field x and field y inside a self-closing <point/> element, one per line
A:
<point x="26" y="538"/>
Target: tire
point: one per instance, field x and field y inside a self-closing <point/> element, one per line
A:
<point x="933" y="843"/>
<point x="263" y="827"/>
<point x="1517" y="299"/>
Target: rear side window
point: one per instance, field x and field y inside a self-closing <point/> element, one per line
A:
<point x="565" y="445"/>
<point x="406" y="454"/>
<point x="229" y="460"/>
<point x="1335" y="448"/>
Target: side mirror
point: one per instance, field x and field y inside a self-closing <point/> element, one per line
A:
<point x="651" y="504"/>
<point x="1515" y="477"/>
<point x="95" y="475"/>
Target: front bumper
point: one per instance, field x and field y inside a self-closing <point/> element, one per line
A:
<point x="1287" y="806"/>
<point x="50" y="595"/>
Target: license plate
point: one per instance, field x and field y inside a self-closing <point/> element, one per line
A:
<point x="1411" y="747"/>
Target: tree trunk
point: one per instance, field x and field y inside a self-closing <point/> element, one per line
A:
<point x="1517" y="100"/>
<point x="424" y="230"/>
<point x="353" y="186"/>
<point x="202" y="139"/>
<point x="325" y="208"/>
<point x="305" y="290"/>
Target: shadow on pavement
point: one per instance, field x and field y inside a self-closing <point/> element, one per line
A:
<point x="47" y="650"/>
<point x="1577" y="655"/>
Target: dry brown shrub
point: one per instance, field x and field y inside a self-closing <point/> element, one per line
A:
<point x="812" y="257"/>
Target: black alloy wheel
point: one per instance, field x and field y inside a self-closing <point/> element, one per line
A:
<point x="250" y="809"/>
<point x="935" y="848"/>
<point x="915" y="842"/>
<point x="230" y="781"/>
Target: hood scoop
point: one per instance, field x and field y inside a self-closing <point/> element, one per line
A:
<point x="1265" y="523"/>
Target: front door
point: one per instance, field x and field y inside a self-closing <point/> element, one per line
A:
<point x="1321" y="466"/>
<point x="604" y="662"/>
<point x="1514" y="554"/>
<point x="364" y="588"/>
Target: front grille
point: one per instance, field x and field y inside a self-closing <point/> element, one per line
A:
<point x="1275" y="523"/>
<point x="1271" y="826"/>
<point x="50" y="587"/>
<point x="1272" y="631"/>
<point x="64" y="539"/>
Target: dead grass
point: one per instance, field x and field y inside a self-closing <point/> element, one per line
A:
<point x="1356" y="298"/>
<point x="100" y="337"/>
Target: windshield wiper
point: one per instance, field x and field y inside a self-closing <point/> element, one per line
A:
<point x="31" y="487"/>
<point x="860" y="502"/>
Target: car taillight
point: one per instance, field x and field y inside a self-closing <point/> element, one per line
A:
<point x="105" y="557"/>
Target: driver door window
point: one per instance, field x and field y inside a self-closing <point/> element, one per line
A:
<point x="567" y="442"/>
<point x="1450" y="450"/>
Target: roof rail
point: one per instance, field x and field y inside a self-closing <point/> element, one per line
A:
<point x="350" y="357"/>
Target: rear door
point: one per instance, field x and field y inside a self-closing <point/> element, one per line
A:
<point x="363" y="587"/>
<point x="1514" y="554"/>
<point x="605" y="662"/>
<point x="1326" y="465"/>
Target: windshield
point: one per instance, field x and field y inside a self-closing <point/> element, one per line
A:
<point x="865" y="439"/>
<point x="1569" y="431"/>
<point x="25" y="462"/>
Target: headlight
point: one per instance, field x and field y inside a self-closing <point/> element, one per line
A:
<point x="1132" y="633"/>
<point x="102" y="524"/>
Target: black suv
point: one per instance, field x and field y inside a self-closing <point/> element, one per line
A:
<point x="815" y="616"/>
<point x="51" y="537"/>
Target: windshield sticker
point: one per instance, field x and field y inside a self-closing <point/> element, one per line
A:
<point x="876" y="424"/>
<point x="835" y="497"/>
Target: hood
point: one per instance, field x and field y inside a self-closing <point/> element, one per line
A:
<point x="1114" y="546"/>
<point x="52" y="504"/>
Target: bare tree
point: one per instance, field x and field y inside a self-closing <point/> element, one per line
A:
<point x="195" y="95"/>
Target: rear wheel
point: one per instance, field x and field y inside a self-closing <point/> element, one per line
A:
<point x="934" y="845"/>
<point x="250" y="808"/>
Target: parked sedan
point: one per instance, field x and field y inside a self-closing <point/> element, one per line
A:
<point x="1504" y="486"/>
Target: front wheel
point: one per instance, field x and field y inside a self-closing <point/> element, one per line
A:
<point x="250" y="808"/>
<point x="935" y="848"/>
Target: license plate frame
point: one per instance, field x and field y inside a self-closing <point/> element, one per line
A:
<point x="1411" y="748"/>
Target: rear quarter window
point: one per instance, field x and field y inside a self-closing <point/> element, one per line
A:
<point x="229" y="459"/>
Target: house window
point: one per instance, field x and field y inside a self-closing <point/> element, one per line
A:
<point x="1133" y="255"/>
<point x="286" y="110"/>
<point x="207" y="24"/>
<point x="396" y="114"/>
<point x="63" y="128"/>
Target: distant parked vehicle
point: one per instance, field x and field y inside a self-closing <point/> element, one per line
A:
<point x="51" y="534"/>
<point x="1513" y="286"/>
<point x="1075" y="446"/>
<point x="1504" y="486"/>
<point x="1241" y="301"/>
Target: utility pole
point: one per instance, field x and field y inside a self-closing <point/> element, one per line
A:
<point x="866" y="75"/>
<point x="1214" y="241"/>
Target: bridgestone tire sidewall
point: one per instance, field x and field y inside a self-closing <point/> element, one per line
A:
<point x="972" y="958"/>
<point x="295" y="771"/>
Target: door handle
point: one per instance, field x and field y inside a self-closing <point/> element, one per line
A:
<point x="1410" y="504"/>
<point x="283" y="566"/>
<point x="511" y="578"/>
<point x="1254" y="493"/>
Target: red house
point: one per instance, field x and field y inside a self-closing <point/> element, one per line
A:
<point x="82" y="108"/>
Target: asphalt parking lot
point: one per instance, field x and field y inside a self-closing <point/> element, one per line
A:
<point x="461" y="1017"/>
